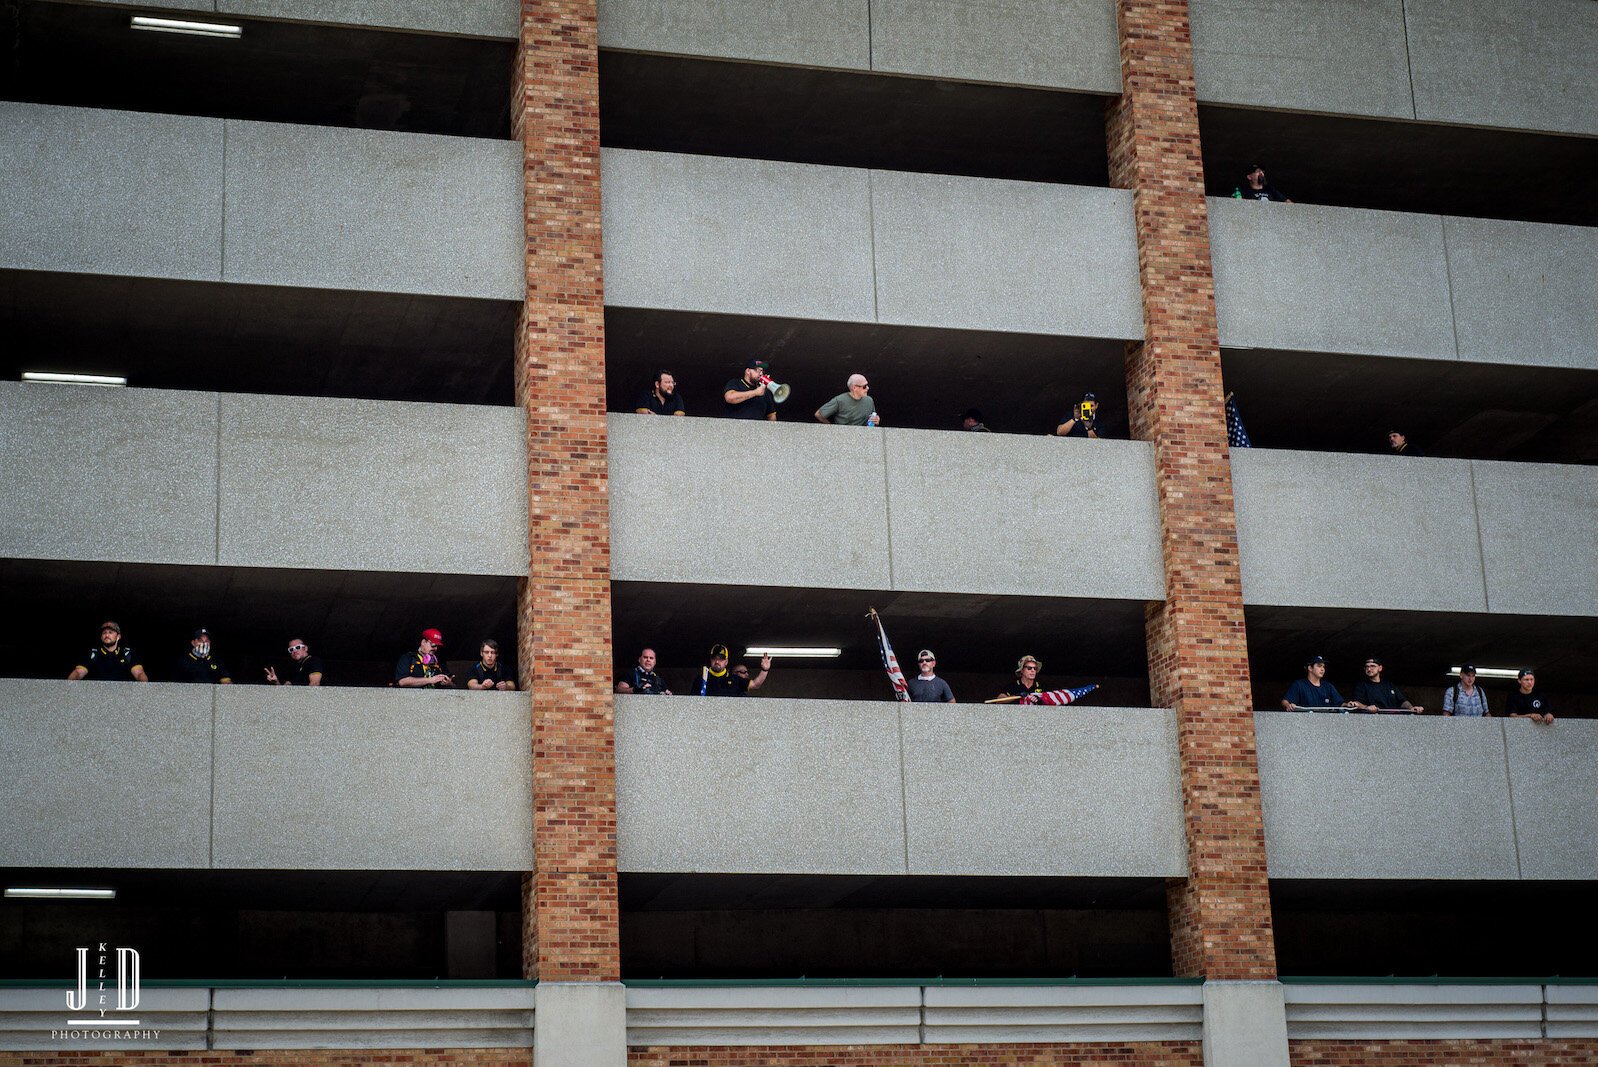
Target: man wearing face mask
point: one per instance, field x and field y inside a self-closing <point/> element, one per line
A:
<point x="199" y="665"/>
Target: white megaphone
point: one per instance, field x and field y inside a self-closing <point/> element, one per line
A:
<point x="778" y="391"/>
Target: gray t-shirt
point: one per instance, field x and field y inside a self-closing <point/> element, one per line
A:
<point x="845" y="410"/>
<point x="932" y="690"/>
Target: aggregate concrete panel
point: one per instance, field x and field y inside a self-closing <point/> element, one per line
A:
<point x="105" y="774"/>
<point x="1058" y="44"/>
<point x="1342" y="58"/>
<point x="1539" y="538"/>
<point x="1378" y="796"/>
<point x="989" y="254"/>
<point x="1523" y="292"/>
<point x="475" y="18"/>
<point x="1320" y="529"/>
<point x="94" y="191"/>
<point x="107" y="474"/>
<point x="1330" y="279"/>
<point x="1245" y="1022"/>
<point x="809" y="33"/>
<point x="1527" y="65"/>
<point x="758" y="786"/>
<point x="337" y="484"/>
<point x="1553" y="776"/>
<point x="826" y="523"/>
<point x="581" y="1024"/>
<point x="1077" y="792"/>
<point x="952" y="503"/>
<point x="743" y="236"/>
<point x="334" y="208"/>
<point x="378" y="779"/>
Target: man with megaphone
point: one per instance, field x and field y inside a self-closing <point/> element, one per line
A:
<point x="748" y="397"/>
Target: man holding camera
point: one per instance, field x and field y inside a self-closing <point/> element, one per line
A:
<point x="1080" y="422"/>
<point x="747" y="397"/>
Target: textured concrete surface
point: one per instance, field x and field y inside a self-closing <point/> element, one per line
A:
<point x="145" y="195"/>
<point x="31" y="1014"/>
<point x="980" y="253"/>
<point x="1333" y="530"/>
<point x="774" y="1016"/>
<point x="1329" y="279"/>
<point x="382" y="779"/>
<point x="737" y="235"/>
<point x="1368" y="1012"/>
<point x="1009" y="1014"/>
<point x="756" y="785"/>
<point x="105" y="774"/>
<point x="1345" y="57"/>
<point x="581" y="1024"/>
<point x="1245" y="1022"/>
<point x="1372" y="796"/>
<point x="338" y="208"/>
<point x="1062" y="44"/>
<point x="1539" y="538"/>
<point x="1528" y="65"/>
<point x="1554" y="771"/>
<point x="1083" y="792"/>
<point x="948" y="493"/>
<point x="477" y="18"/>
<point x="107" y="474"/>
<point x="825" y="522"/>
<point x="372" y="485"/>
<point x="1523" y="291"/>
<point x="810" y="33"/>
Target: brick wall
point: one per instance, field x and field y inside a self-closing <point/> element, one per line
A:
<point x="1146" y="1054"/>
<point x="470" y="1057"/>
<point x="1484" y="1053"/>
<point x="569" y="900"/>
<point x="1197" y="649"/>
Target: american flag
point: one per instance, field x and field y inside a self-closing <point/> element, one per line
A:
<point x="1058" y="696"/>
<point x="1236" y="436"/>
<point x="890" y="662"/>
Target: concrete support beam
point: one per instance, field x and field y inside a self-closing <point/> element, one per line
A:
<point x="581" y="1024"/>
<point x="1245" y="1023"/>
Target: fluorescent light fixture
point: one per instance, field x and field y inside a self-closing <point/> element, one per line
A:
<point x="72" y="379"/>
<point x="793" y="651"/>
<point x="31" y="893"/>
<point x="195" y="29"/>
<point x="1491" y="672"/>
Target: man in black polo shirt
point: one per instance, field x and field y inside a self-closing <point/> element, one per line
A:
<point x="198" y="665"/>
<point x="304" y="668"/>
<point x="717" y="681"/>
<point x="488" y="672"/>
<point x="1373" y="694"/>
<point x="747" y="397"/>
<point x="110" y="661"/>
<point x="661" y="398"/>
<point x="423" y="668"/>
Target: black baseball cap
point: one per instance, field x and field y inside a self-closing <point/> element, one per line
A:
<point x="1314" y="660"/>
<point x="197" y="634"/>
<point x="718" y="650"/>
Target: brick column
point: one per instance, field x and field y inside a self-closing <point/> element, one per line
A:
<point x="1198" y="654"/>
<point x="569" y="899"/>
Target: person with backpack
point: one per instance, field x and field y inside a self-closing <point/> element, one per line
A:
<point x="1464" y="700"/>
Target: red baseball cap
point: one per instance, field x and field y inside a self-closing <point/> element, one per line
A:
<point x="433" y="636"/>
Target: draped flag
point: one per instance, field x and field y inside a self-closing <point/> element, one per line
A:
<point x="890" y="662"/>
<point x="1236" y="436"/>
<point x="1058" y="696"/>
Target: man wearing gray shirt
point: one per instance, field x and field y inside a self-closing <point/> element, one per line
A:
<point x="1465" y="700"/>
<point x="926" y="687"/>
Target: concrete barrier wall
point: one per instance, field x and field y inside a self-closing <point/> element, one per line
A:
<point x="846" y="787"/>
<point x="264" y="202"/>
<point x="238" y="777"/>
<point x="260" y="481"/>
<point x="877" y="526"/>
<point x="755" y="237"/>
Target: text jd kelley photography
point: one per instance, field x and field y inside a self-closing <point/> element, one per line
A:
<point x="92" y="995"/>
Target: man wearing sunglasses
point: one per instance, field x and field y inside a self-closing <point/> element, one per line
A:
<point x="305" y="669"/>
<point x="927" y="687"/>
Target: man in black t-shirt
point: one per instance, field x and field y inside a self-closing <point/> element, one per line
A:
<point x="488" y="672"/>
<point x="303" y="669"/>
<point x="747" y="397"/>
<point x="1027" y="669"/>
<point x="1079" y="422"/>
<point x="110" y="661"/>
<point x="1398" y="441"/>
<point x="1528" y="703"/>
<point x="198" y="665"/>
<point x="717" y="681"/>
<point x="1255" y="187"/>
<point x="642" y="679"/>
<point x="1373" y="694"/>
<point x="423" y="668"/>
<point x="660" y="398"/>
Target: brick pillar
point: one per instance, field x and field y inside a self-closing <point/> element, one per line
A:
<point x="1198" y="654"/>
<point x="570" y="927"/>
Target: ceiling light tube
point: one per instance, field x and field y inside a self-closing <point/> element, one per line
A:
<point x="195" y="29"/>
<point x="72" y="379"/>
<point x="1491" y="672"/>
<point x="794" y="651"/>
<point x="35" y="893"/>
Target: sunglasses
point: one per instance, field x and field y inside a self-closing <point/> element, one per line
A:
<point x="926" y="659"/>
<point x="296" y="648"/>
